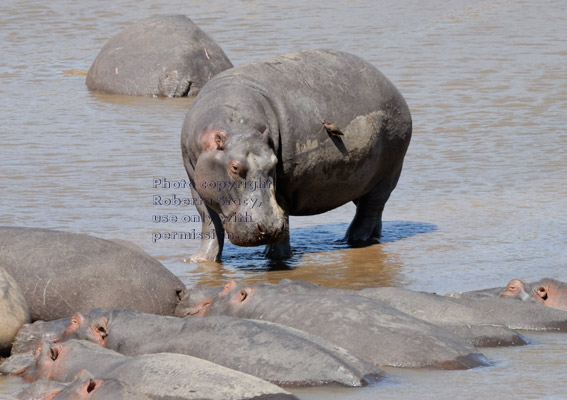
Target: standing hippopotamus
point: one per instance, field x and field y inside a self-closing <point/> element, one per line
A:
<point x="164" y="55"/>
<point x="61" y="273"/>
<point x="368" y="328"/>
<point x="14" y="310"/>
<point x="547" y="291"/>
<point x="298" y="134"/>
<point x="159" y="376"/>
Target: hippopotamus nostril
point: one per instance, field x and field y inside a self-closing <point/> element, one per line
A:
<point x="261" y="229"/>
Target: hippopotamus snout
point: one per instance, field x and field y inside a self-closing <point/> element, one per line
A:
<point x="272" y="235"/>
<point x="252" y="233"/>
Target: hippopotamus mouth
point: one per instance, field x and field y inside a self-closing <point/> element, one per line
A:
<point x="251" y="233"/>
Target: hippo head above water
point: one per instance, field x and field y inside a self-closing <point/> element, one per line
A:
<point x="548" y="292"/>
<point x="235" y="178"/>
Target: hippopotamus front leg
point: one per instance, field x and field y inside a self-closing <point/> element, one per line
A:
<point x="212" y="233"/>
<point x="280" y="250"/>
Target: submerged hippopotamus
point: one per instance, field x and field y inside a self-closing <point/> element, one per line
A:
<point x="464" y="322"/>
<point x="298" y="134"/>
<point x="84" y="387"/>
<point x="368" y="328"/>
<point x="547" y="291"/>
<point x="258" y="348"/>
<point x="159" y="376"/>
<point x="163" y="55"/>
<point x="61" y="273"/>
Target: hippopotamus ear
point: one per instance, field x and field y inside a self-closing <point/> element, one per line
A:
<point x="228" y="287"/>
<point x="213" y="139"/>
<point x="541" y="292"/>
<point x="201" y="309"/>
<point x="77" y="320"/>
<point x="243" y="294"/>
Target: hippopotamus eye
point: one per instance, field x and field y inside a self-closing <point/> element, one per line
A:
<point x="235" y="168"/>
<point x="243" y="295"/>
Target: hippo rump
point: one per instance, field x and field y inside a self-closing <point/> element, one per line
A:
<point x="163" y="55"/>
<point x="14" y="311"/>
<point x="61" y="273"/>
<point x="297" y="134"/>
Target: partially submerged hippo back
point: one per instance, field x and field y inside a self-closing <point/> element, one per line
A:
<point x="370" y="329"/>
<point x="164" y="55"/>
<point x="61" y="273"/>
<point x="259" y="348"/>
<point x="14" y="311"/>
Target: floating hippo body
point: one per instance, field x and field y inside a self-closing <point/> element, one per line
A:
<point x="464" y="322"/>
<point x="62" y="273"/>
<point x="517" y="314"/>
<point x="159" y="376"/>
<point x="370" y="329"/>
<point x="298" y="134"/>
<point x="273" y="352"/>
<point x="14" y="311"/>
<point x="165" y="55"/>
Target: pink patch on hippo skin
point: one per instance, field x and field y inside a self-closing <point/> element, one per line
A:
<point x="213" y="140"/>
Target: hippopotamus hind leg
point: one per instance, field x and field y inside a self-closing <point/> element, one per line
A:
<point x="366" y="226"/>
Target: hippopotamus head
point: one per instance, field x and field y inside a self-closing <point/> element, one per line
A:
<point x="228" y="302"/>
<point x="45" y="361"/>
<point x="235" y="176"/>
<point x="548" y="292"/>
<point x="93" y="327"/>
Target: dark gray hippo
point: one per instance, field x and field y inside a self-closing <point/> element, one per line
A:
<point x="297" y="134"/>
<point x="14" y="311"/>
<point x="61" y="273"/>
<point x="277" y="353"/>
<point x="163" y="55"/>
<point x="368" y="328"/>
<point x="159" y="376"/>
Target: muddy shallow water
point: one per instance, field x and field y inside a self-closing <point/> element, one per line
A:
<point x="482" y="196"/>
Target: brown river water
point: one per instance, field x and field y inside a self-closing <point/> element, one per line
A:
<point x="482" y="198"/>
